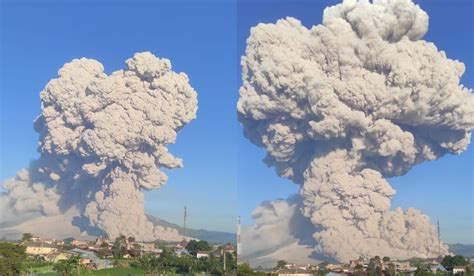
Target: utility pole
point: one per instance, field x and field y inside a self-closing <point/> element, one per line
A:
<point x="184" y="225"/>
<point x="224" y="259"/>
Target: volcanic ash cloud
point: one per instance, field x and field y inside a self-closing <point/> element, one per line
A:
<point x="102" y="141"/>
<point x="344" y="105"/>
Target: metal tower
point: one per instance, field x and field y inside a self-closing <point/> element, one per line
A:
<point x="239" y="244"/>
<point x="439" y="240"/>
<point x="184" y="224"/>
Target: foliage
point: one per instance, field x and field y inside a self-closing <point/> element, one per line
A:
<point x="390" y="269"/>
<point x="67" y="267"/>
<point x="281" y="264"/>
<point x="374" y="266"/>
<point x="169" y="262"/>
<point x="11" y="258"/>
<point x="148" y="263"/>
<point x="194" y="246"/>
<point x="451" y="261"/>
<point x="68" y="240"/>
<point x="26" y="237"/>
<point x="119" y="249"/>
<point x="244" y="268"/>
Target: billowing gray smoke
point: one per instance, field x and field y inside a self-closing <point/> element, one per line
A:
<point x="102" y="140"/>
<point x="344" y="105"/>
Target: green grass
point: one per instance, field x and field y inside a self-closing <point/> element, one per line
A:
<point x="109" y="272"/>
<point x="104" y="272"/>
<point x="117" y="271"/>
<point x="41" y="269"/>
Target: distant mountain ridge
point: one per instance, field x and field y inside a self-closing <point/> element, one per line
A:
<point x="467" y="250"/>
<point x="210" y="236"/>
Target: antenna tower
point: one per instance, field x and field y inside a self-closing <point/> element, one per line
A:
<point x="439" y="240"/>
<point x="239" y="244"/>
<point x="184" y="224"/>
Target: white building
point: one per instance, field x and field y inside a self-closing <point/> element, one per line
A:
<point x="202" y="254"/>
<point x="459" y="269"/>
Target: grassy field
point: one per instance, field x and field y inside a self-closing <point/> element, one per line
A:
<point x="109" y="272"/>
<point x="105" y="272"/>
<point x="41" y="270"/>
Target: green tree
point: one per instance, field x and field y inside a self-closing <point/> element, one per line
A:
<point x="390" y="270"/>
<point x="359" y="270"/>
<point x="119" y="247"/>
<point x="386" y="259"/>
<point x="451" y="261"/>
<point x="11" y="258"/>
<point x="422" y="269"/>
<point x="26" y="237"/>
<point x="67" y="267"/>
<point x="374" y="267"/>
<point x="280" y="264"/>
<point x="243" y="269"/>
<point x="149" y="263"/>
<point x="68" y="240"/>
<point x="194" y="246"/>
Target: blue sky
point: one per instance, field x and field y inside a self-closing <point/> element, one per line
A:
<point x="223" y="174"/>
<point x="443" y="189"/>
<point x="198" y="38"/>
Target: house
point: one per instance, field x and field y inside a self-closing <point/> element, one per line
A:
<point x="181" y="252"/>
<point x="85" y="261"/>
<point x="333" y="274"/>
<point x="58" y="242"/>
<point x="99" y="241"/>
<point x="147" y="247"/>
<point x="402" y="266"/>
<point x="92" y="261"/>
<point x="38" y="248"/>
<point x="229" y="248"/>
<point x="293" y="272"/>
<point x="296" y="267"/>
<point x="202" y="254"/>
<point x="437" y="267"/>
<point x="56" y="257"/>
<point x="35" y="239"/>
<point x="459" y="269"/>
<point x="78" y="243"/>
<point x="354" y="263"/>
<point x="334" y="267"/>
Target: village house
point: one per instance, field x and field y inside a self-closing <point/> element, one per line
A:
<point x="202" y="254"/>
<point x="459" y="269"/>
<point x="148" y="247"/>
<point x="85" y="261"/>
<point x="229" y="248"/>
<point x="56" y="257"/>
<point x="79" y="243"/>
<point x="181" y="252"/>
<point x="100" y="240"/>
<point x="293" y="272"/>
<point x="354" y="263"/>
<point x="39" y="248"/>
<point x="437" y="268"/>
<point x="292" y="266"/>
<point x="334" y="267"/>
